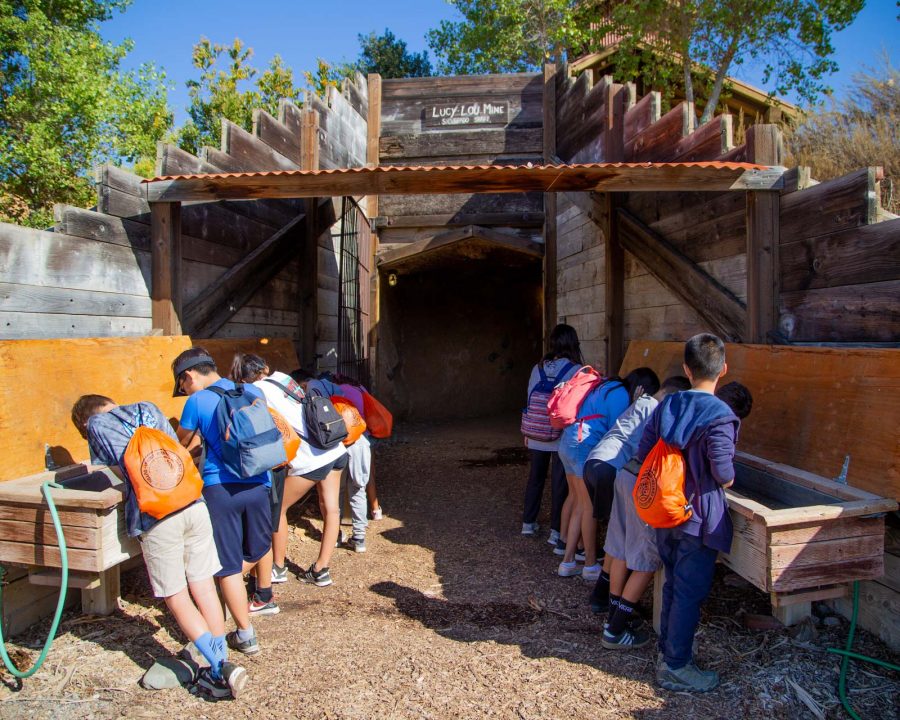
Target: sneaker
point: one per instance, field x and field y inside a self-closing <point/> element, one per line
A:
<point x="554" y="537"/>
<point x="689" y="678"/>
<point x="236" y="677"/>
<point x="530" y="529"/>
<point x="341" y="539"/>
<point x="560" y="548"/>
<point x="592" y="572"/>
<point x="628" y="639"/>
<point x="378" y="514"/>
<point x="569" y="569"/>
<point x="248" y="647"/>
<point x="210" y="686"/>
<point x="356" y="544"/>
<point x="258" y="607"/>
<point x="319" y="578"/>
<point x="279" y="574"/>
<point x="579" y="555"/>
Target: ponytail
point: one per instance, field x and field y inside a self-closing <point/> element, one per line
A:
<point x="247" y="367"/>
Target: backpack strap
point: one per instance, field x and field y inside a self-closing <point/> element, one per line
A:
<point x="286" y="391"/>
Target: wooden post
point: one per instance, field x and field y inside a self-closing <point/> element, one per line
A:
<point x="373" y="136"/>
<point x="659" y="578"/>
<point x="309" y="257"/>
<point x="165" y="272"/>
<point x="102" y="600"/>
<point x="614" y="151"/>
<point x="550" y="279"/>
<point x="764" y="146"/>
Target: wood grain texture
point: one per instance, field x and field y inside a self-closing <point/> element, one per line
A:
<point x="279" y="353"/>
<point x="805" y="399"/>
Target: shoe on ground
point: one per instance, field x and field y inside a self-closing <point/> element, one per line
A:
<point x="592" y="572"/>
<point x="689" y="678"/>
<point x="341" y="539"/>
<point x="258" y="607"/>
<point x="554" y="538"/>
<point x="560" y="548"/>
<point x="319" y="578"/>
<point x="210" y="686"/>
<point x="569" y="569"/>
<point x="378" y="514"/>
<point x="579" y="555"/>
<point x="279" y="574"/>
<point x="236" y="677"/>
<point x="356" y="544"/>
<point x="530" y="529"/>
<point x="626" y="640"/>
<point x="247" y="647"/>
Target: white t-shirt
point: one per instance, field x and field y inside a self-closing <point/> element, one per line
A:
<point x="620" y="443"/>
<point x="308" y="458"/>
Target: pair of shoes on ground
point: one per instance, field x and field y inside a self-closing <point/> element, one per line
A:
<point x="322" y="577"/>
<point x="589" y="572"/>
<point x="230" y="684"/>
<point x="560" y="550"/>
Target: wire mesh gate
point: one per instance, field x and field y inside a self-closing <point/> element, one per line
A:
<point x="354" y="301"/>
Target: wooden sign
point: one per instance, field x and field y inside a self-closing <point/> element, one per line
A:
<point x="468" y="112"/>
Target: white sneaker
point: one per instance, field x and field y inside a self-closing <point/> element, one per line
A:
<point x="378" y="514"/>
<point x="530" y="529"/>
<point x="591" y="572"/>
<point x="554" y="537"/>
<point x="569" y="569"/>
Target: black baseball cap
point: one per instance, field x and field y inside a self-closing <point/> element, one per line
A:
<point x="186" y="361"/>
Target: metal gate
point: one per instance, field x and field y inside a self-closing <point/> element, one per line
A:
<point x="354" y="301"/>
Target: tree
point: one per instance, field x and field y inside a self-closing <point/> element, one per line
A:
<point x="230" y="87"/>
<point x="706" y="39"/>
<point x="387" y="55"/>
<point x="860" y="131"/>
<point x="65" y="105"/>
<point x="497" y="36"/>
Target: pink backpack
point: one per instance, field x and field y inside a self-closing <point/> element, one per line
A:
<point x="567" y="398"/>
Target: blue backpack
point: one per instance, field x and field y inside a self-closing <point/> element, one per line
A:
<point x="251" y="442"/>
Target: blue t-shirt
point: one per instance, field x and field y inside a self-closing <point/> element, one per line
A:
<point x="599" y="411"/>
<point x="200" y="414"/>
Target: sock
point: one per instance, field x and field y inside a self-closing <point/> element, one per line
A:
<point x="621" y="616"/>
<point x="206" y="645"/>
<point x="264" y="594"/>
<point x="245" y="635"/>
<point x="251" y="584"/>
<point x="601" y="588"/>
<point x="221" y="649"/>
<point x="614" y="601"/>
<point x="279" y="568"/>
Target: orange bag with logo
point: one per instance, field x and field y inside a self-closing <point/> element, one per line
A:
<point x="659" y="490"/>
<point x="356" y="426"/>
<point x="378" y="417"/>
<point x="289" y="436"/>
<point x="161" y="472"/>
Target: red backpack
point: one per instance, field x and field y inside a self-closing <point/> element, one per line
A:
<point x="567" y="398"/>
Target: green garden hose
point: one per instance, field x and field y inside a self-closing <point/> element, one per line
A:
<point x="64" y="586"/>
<point x="848" y="654"/>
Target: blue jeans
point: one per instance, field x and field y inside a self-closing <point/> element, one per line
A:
<point x="690" y="566"/>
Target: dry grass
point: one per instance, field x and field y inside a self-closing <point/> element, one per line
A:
<point x="450" y="614"/>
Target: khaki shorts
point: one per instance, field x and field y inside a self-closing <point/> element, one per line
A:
<point x="180" y="549"/>
<point x="628" y="537"/>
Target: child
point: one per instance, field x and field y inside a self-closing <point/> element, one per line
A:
<point x="598" y="412"/>
<point x="178" y="549"/>
<point x="736" y="396"/>
<point x="559" y="364"/>
<point x="312" y="467"/>
<point x="705" y="429"/>
<point x="630" y="547"/>
<point x="238" y="507"/>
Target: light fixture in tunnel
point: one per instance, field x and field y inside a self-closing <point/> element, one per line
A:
<point x="392" y="279"/>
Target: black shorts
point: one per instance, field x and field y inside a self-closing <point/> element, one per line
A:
<point x="241" y="516"/>
<point x="320" y="473"/>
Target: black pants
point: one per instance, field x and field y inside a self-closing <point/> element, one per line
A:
<point x="600" y="478"/>
<point x="534" y="491"/>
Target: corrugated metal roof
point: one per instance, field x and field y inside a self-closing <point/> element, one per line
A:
<point x="437" y="169"/>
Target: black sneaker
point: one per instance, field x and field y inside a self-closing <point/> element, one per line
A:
<point x="212" y="687"/>
<point x="625" y="640"/>
<point x="320" y="578"/>
<point x="248" y="647"/>
<point x="236" y="677"/>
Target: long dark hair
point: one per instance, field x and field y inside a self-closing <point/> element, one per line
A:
<point x="247" y="367"/>
<point x="564" y="344"/>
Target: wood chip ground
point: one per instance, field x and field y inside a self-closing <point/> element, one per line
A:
<point x="450" y="614"/>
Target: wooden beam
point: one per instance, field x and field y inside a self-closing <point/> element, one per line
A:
<point x="614" y="151"/>
<point x="373" y="134"/>
<point x="165" y="273"/>
<point x="450" y="237"/>
<point x="641" y="177"/>
<point x="764" y="144"/>
<point x="549" y="147"/>
<point x="503" y="219"/>
<point x="711" y="300"/>
<point x="205" y="314"/>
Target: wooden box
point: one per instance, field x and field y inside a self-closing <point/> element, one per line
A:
<point x="91" y="513"/>
<point x="795" y="531"/>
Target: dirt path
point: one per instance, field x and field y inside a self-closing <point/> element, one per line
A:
<point x="450" y="614"/>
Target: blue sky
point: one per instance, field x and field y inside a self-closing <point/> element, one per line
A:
<point x="164" y="31"/>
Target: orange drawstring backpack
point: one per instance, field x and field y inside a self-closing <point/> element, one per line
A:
<point x="659" y="490"/>
<point x="356" y="426"/>
<point x="289" y="436"/>
<point x="378" y="418"/>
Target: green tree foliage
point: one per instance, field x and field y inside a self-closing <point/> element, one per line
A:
<point x="861" y="131"/>
<point x="65" y="105"/>
<point x="230" y="87"/>
<point x="497" y="36"/>
<point x="706" y="39"/>
<point x="325" y="76"/>
<point x="387" y="55"/>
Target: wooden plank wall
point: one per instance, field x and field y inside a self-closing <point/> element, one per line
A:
<point x="408" y="139"/>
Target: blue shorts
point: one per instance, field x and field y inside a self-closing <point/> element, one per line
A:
<point x="241" y="516"/>
<point x="574" y="455"/>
